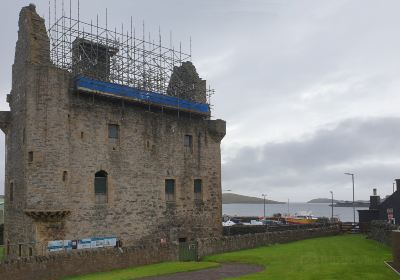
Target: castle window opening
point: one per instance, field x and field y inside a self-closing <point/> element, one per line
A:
<point x="11" y="191"/>
<point x="182" y="239"/>
<point x="170" y="190"/>
<point x="113" y="131"/>
<point x="198" y="194"/>
<point x="64" y="177"/>
<point x="188" y="141"/>
<point x="30" y="156"/>
<point x="100" y="187"/>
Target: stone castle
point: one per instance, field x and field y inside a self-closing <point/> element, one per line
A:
<point x="82" y="164"/>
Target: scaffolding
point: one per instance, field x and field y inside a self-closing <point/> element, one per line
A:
<point x="116" y="56"/>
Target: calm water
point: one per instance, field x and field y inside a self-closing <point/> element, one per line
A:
<point x="345" y="214"/>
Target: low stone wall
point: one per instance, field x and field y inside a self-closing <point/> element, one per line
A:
<point x="381" y="231"/>
<point x="210" y="246"/>
<point x="57" y="266"/>
<point x="247" y="229"/>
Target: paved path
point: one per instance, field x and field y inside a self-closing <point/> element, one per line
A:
<point x="225" y="270"/>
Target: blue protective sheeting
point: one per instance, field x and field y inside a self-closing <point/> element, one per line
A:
<point x="147" y="97"/>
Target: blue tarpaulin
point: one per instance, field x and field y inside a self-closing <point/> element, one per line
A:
<point x="115" y="90"/>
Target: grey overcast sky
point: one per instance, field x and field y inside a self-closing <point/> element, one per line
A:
<point x="309" y="89"/>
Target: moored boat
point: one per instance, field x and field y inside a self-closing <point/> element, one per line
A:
<point x="301" y="218"/>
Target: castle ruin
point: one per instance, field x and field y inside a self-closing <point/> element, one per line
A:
<point x="96" y="146"/>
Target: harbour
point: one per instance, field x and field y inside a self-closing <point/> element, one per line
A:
<point x="345" y="214"/>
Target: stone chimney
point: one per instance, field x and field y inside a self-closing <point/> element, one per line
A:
<point x="374" y="200"/>
<point x="397" y="184"/>
<point x="186" y="84"/>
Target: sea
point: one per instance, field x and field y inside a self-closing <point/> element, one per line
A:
<point x="345" y="214"/>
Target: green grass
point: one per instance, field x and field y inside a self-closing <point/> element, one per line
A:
<point x="143" y="271"/>
<point x="1" y="252"/>
<point x="338" y="257"/>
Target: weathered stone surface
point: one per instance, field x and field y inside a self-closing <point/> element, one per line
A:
<point x="58" y="265"/>
<point x="5" y="119"/>
<point x="185" y="83"/>
<point x="210" y="246"/>
<point x="58" y="139"/>
<point x="33" y="43"/>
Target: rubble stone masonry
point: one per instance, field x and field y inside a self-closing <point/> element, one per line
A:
<point x="59" y="265"/>
<point x="57" y="139"/>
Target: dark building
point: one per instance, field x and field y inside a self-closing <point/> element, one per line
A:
<point x="387" y="210"/>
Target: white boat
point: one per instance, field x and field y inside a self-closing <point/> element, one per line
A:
<point x="228" y="223"/>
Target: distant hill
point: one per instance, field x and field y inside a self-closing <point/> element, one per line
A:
<point x="322" y="200"/>
<point x="231" y="198"/>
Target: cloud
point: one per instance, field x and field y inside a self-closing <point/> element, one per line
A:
<point x="309" y="89"/>
<point x="367" y="147"/>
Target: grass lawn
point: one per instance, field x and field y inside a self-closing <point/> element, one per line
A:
<point x="337" y="257"/>
<point x="148" y="270"/>
<point x="1" y="252"/>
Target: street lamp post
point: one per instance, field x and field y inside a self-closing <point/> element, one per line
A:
<point x="354" y="209"/>
<point x="332" y="205"/>
<point x="264" y="195"/>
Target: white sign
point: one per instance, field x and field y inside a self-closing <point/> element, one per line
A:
<point x="59" y="245"/>
<point x="110" y="241"/>
<point x="84" y="243"/>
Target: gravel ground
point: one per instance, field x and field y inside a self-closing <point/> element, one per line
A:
<point x="225" y="270"/>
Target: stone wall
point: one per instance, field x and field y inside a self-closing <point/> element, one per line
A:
<point x="210" y="246"/>
<point x="246" y="229"/>
<point x="58" y="265"/>
<point x="57" y="139"/>
<point x="381" y="231"/>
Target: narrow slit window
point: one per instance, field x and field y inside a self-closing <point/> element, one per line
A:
<point x="198" y="190"/>
<point x="100" y="187"/>
<point x="11" y="191"/>
<point x="30" y="156"/>
<point x="170" y="190"/>
<point x="64" y="176"/>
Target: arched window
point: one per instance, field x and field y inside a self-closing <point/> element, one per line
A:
<point x="100" y="186"/>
